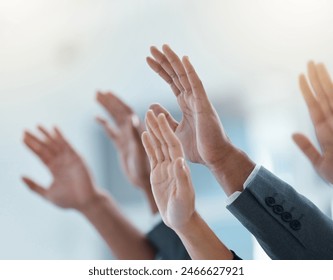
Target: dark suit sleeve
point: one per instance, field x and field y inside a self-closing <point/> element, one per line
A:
<point x="167" y="243"/>
<point x="286" y="224"/>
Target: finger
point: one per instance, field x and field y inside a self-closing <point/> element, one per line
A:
<point x="182" y="174"/>
<point x="50" y="142"/>
<point x="315" y="111"/>
<point x="62" y="140"/>
<point x="326" y="83"/>
<point x="317" y="87"/>
<point x="170" y="139"/>
<point x="307" y="148"/>
<point x="111" y="132"/>
<point x="156" y="136"/>
<point x="34" y="186"/>
<point x="178" y="67"/>
<point x="116" y="108"/>
<point x="202" y="101"/>
<point x="163" y="61"/>
<point x="158" y="109"/>
<point x="47" y="135"/>
<point x="163" y="74"/>
<point x="147" y="144"/>
<point x="38" y="147"/>
<point x="110" y="99"/>
<point x="58" y="135"/>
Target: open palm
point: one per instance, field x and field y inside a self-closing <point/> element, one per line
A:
<point x="319" y="100"/>
<point x="127" y="137"/>
<point x="170" y="179"/>
<point x="200" y="130"/>
<point x="72" y="185"/>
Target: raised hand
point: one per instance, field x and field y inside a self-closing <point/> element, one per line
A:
<point x="170" y="177"/>
<point x="72" y="185"/>
<point x="174" y="192"/>
<point x="127" y="138"/>
<point x="319" y="100"/>
<point x="200" y="130"/>
<point x="199" y="136"/>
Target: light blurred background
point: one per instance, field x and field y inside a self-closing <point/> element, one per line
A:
<point x="55" y="54"/>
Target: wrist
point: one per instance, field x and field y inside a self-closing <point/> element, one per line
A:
<point x="189" y="225"/>
<point x="95" y="201"/>
<point x="201" y="242"/>
<point x="232" y="170"/>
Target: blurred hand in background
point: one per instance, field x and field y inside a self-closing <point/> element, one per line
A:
<point x="318" y="95"/>
<point x="73" y="187"/>
<point x="126" y="135"/>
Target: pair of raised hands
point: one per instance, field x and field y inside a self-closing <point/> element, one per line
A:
<point x="73" y="185"/>
<point x="203" y="139"/>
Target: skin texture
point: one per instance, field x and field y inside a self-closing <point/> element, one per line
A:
<point x="73" y="187"/>
<point x="174" y="192"/>
<point x="200" y="130"/>
<point x="317" y="91"/>
<point x="126" y="135"/>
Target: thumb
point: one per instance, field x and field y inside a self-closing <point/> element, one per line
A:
<point x="307" y="147"/>
<point x="109" y="130"/>
<point x="34" y="186"/>
<point x="158" y="109"/>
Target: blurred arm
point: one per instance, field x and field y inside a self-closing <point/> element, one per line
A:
<point x="125" y="241"/>
<point x="73" y="187"/>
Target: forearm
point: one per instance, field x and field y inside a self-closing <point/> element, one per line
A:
<point x="200" y="241"/>
<point x="125" y="241"/>
<point x="233" y="170"/>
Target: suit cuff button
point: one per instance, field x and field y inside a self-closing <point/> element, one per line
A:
<point x="286" y="216"/>
<point x="278" y="209"/>
<point x="270" y="201"/>
<point x="295" y="225"/>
